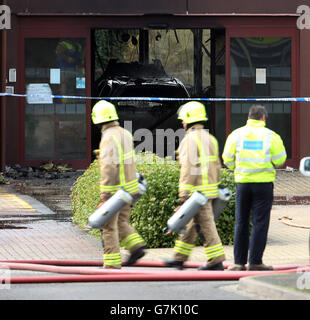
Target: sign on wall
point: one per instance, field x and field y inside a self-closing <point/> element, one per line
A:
<point x="5" y="17"/>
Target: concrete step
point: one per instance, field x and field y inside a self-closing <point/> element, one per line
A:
<point x="291" y="200"/>
<point x="60" y="204"/>
<point x="44" y="190"/>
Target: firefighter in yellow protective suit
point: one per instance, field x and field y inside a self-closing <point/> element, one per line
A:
<point x="200" y="171"/>
<point x="118" y="170"/>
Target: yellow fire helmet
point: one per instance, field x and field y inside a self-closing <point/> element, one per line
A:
<point x="104" y="111"/>
<point x="192" y="111"/>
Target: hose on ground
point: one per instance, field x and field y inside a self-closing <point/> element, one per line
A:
<point x="80" y="271"/>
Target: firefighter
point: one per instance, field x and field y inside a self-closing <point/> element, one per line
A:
<point x="253" y="152"/>
<point x="200" y="171"/>
<point x="118" y="170"/>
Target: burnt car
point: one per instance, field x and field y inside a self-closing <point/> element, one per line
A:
<point x="145" y="118"/>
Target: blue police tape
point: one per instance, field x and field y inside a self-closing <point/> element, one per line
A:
<point x="157" y="99"/>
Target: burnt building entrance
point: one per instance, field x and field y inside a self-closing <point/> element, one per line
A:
<point x="151" y="56"/>
<point x="157" y="63"/>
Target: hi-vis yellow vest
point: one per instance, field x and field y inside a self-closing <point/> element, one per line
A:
<point x="253" y="152"/>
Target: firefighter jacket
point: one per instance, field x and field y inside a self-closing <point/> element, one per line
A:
<point x="253" y="152"/>
<point x="116" y="158"/>
<point x="200" y="164"/>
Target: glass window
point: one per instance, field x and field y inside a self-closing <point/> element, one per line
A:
<point x="174" y="48"/>
<point x="121" y="45"/>
<point x="179" y="52"/>
<point x="261" y="67"/>
<point x="58" y="130"/>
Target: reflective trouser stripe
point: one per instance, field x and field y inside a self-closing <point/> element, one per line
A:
<point x="183" y="248"/>
<point x="112" y="259"/>
<point x="131" y="240"/>
<point x="214" y="251"/>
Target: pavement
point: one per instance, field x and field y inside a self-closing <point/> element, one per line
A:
<point x="29" y="230"/>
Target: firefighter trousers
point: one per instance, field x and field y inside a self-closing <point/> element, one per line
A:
<point x="119" y="230"/>
<point x="201" y="225"/>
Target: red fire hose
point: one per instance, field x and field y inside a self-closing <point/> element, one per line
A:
<point x="77" y="271"/>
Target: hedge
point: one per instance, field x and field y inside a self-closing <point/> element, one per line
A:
<point x="150" y="214"/>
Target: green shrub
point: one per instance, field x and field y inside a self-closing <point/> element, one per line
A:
<point x="1" y="178"/>
<point x="150" y="214"/>
<point x="226" y="222"/>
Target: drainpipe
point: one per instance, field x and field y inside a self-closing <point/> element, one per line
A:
<point x="3" y="99"/>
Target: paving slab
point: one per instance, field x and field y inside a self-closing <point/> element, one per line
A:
<point x="42" y="234"/>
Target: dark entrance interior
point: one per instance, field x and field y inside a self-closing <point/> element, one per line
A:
<point x="168" y="63"/>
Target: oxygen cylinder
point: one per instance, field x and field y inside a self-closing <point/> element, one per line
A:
<point x="178" y="222"/>
<point x="109" y="208"/>
<point x="220" y="203"/>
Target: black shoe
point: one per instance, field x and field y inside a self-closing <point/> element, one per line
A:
<point x="218" y="266"/>
<point x="174" y="264"/>
<point x="259" y="267"/>
<point x="136" y="255"/>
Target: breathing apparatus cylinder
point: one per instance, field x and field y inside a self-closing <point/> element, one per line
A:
<point x="178" y="222"/>
<point x="114" y="204"/>
<point x="109" y="208"/>
<point x="220" y="203"/>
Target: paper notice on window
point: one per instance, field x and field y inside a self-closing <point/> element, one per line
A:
<point x="39" y="93"/>
<point x="54" y="76"/>
<point x="80" y="83"/>
<point x="261" y="76"/>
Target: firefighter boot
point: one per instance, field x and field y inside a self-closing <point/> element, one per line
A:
<point x="219" y="266"/>
<point x="136" y="255"/>
<point x="174" y="264"/>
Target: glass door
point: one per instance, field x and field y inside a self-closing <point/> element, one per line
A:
<point x="57" y="130"/>
<point x="263" y="67"/>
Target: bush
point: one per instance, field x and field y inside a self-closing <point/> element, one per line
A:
<point x="226" y="222"/>
<point x="1" y="178"/>
<point x="150" y="214"/>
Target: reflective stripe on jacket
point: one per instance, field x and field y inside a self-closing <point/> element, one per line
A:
<point x="116" y="160"/>
<point x="253" y="152"/>
<point x="200" y="164"/>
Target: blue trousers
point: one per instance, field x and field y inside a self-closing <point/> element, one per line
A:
<point x="255" y="199"/>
